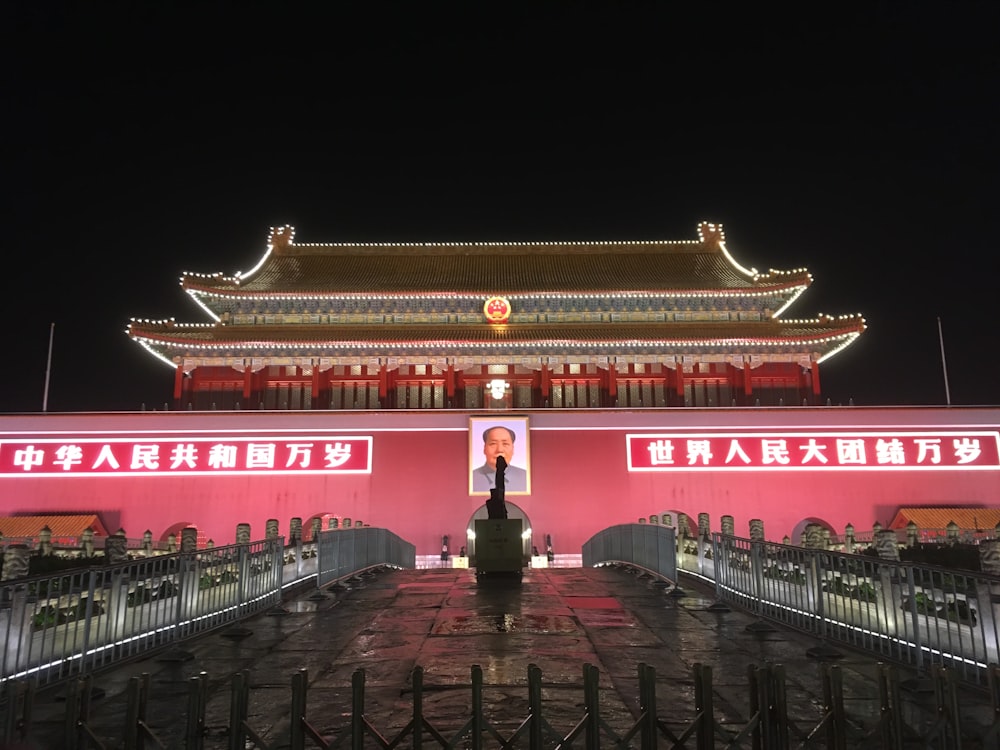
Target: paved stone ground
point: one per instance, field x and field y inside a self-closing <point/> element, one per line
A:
<point x="445" y="621"/>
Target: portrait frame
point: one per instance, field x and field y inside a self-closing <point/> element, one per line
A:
<point x="522" y="451"/>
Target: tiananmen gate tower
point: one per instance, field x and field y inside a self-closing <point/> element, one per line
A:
<point x="496" y="325"/>
<point x="345" y="383"/>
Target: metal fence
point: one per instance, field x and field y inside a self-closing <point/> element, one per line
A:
<point x="921" y="615"/>
<point x="71" y="623"/>
<point x="76" y="621"/>
<point x="652" y="548"/>
<point x="344" y="553"/>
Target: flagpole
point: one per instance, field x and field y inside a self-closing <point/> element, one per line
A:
<point x="48" y="369"/>
<point x="944" y="365"/>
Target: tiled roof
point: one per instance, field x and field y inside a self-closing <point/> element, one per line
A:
<point x="484" y="274"/>
<point x="62" y="525"/>
<point x="515" y="269"/>
<point x="745" y="332"/>
<point x="939" y="518"/>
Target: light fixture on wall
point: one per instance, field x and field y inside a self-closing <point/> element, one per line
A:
<point x="498" y="388"/>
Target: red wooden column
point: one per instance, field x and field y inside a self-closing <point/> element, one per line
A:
<point x="383" y="381"/>
<point x="612" y="381"/>
<point x="449" y="381"/>
<point x="680" y="379"/>
<point x="747" y="378"/>
<point x="315" y="381"/>
<point x="815" y="378"/>
<point x="178" y="382"/>
<point x="247" y="381"/>
<point x="546" y="381"/>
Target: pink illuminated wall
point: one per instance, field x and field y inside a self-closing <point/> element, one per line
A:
<point x="409" y="471"/>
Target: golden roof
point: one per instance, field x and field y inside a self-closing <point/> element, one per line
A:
<point x="535" y="268"/>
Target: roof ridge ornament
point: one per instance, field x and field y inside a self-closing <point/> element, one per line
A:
<point x="281" y="237"/>
<point x="711" y="234"/>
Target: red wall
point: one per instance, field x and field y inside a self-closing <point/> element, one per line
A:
<point x="418" y="486"/>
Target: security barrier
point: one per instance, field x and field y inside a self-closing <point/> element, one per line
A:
<point x="768" y="725"/>
<point x="60" y="626"/>
<point x="54" y="627"/>
<point x="919" y="615"/>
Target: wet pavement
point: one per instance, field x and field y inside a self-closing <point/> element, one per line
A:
<point x="445" y="621"/>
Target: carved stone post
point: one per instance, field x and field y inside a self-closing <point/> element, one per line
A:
<point x="813" y="536"/>
<point x="849" y="539"/>
<point x="704" y="541"/>
<point x="115" y="549"/>
<point x="756" y="529"/>
<point x="171" y="543"/>
<point x="951" y="531"/>
<point x="704" y="531"/>
<point x="243" y="533"/>
<point x="87" y="542"/>
<point x="683" y="526"/>
<point x="45" y="542"/>
<point x="189" y="539"/>
<point x="295" y="540"/>
<point x="147" y="543"/>
<point x="16" y="561"/>
<point x="271" y="528"/>
<point x="333" y="523"/>
<point x="887" y="547"/>
<point x="15" y="621"/>
<point x="317" y="526"/>
<point x="667" y="519"/>
<point x="728" y="526"/>
<point x="912" y="534"/>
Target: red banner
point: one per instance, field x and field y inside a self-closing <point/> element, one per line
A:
<point x="813" y="451"/>
<point x="179" y="456"/>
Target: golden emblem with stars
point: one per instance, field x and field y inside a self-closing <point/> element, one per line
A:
<point x="497" y="309"/>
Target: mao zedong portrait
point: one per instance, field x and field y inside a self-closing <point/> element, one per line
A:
<point x="499" y="441"/>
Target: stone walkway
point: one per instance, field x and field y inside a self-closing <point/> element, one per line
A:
<point x="446" y="621"/>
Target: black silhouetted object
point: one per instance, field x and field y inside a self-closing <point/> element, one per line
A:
<point x="496" y="507"/>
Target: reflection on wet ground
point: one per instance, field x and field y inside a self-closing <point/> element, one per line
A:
<point x="446" y="621"/>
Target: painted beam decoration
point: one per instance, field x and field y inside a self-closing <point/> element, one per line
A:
<point x="813" y="451"/>
<point x="186" y="455"/>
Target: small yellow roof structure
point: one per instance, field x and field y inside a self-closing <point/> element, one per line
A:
<point x="64" y="526"/>
<point x="939" y="518"/>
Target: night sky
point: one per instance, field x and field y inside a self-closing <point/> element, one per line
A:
<point x="860" y="144"/>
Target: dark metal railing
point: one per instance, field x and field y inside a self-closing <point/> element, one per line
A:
<point x="923" y="616"/>
<point x="769" y="725"/>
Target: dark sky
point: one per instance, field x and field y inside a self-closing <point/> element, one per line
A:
<point x="858" y="143"/>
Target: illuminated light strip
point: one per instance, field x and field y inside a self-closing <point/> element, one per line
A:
<point x="203" y="306"/>
<point x="775" y="291"/>
<point x="785" y="323"/>
<point x="452" y="344"/>
<point x="145" y="344"/>
<point x="745" y="271"/>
